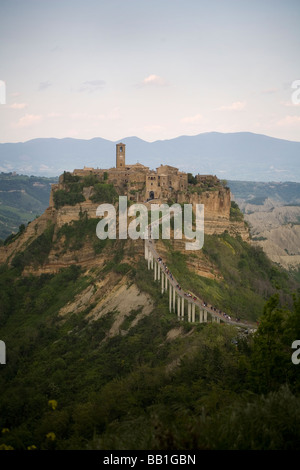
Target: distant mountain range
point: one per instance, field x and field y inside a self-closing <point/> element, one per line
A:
<point x="237" y="156"/>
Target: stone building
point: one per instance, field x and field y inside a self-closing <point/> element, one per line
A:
<point x="165" y="184"/>
<point x="138" y="181"/>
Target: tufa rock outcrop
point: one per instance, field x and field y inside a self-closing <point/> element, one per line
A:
<point x="74" y="201"/>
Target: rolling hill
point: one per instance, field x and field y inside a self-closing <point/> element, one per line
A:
<point x="22" y="198"/>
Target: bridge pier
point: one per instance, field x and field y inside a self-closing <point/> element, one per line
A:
<point x="193" y="313"/>
<point x="182" y="308"/>
<point x="178" y="307"/>
<point x="170" y="297"/>
<point x="162" y="282"/>
<point x="203" y="316"/>
<point x="174" y="298"/>
<point x="189" y="312"/>
<point x="155" y="270"/>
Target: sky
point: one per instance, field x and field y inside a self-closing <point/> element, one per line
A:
<point x="154" y="69"/>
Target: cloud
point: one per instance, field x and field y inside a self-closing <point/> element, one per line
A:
<point x="28" y="120"/>
<point x="192" y="119"/>
<point x="54" y="115"/>
<point x="288" y="104"/>
<point x="18" y="106"/>
<point x="44" y="85"/>
<point x="153" y="80"/>
<point x="92" y="85"/>
<point x="236" y="106"/>
<point x="153" y="128"/>
<point x="44" y="168"/>
<point x="110" y="116"/>
<point x="270" y="91"/>
<point x="289" y="121"/>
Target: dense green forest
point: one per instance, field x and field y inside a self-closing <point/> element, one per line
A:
<point x="67" y="385"/>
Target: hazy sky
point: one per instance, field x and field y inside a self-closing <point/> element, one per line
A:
<point x="155" y="69"/>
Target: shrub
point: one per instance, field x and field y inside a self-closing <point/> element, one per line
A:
<point x="37" y="252"/>
<point x="235" y="212"/>
<point x="104" y="192"/>
<point x="90" y="180"/>
<point x="67" y="198"/>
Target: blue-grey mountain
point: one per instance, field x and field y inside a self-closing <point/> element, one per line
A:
<point x="240" y="156"/>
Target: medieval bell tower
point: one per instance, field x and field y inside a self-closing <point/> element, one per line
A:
<point x="120" y="156"/>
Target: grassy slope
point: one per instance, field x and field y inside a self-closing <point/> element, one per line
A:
<point x="248" y="276"/>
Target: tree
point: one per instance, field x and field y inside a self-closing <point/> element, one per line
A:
<point x="271" y="364"/>
<point x="192" y="179"/>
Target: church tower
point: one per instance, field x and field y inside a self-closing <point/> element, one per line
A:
<point x="120" y="156"/>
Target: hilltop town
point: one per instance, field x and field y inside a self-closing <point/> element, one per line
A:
<point x="81" y="191"/>
<point x="140" y="183"/>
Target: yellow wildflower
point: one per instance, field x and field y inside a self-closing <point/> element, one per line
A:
<point x="5" y="447"/>
<point x="53" y="404"/>
<point x="51" y="436"/>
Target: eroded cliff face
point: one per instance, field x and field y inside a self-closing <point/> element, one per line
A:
<point x="216" y="221"/>
<point x="216" y="210"/>
<point x="217" y="205"/>
<point x="33" y="230"/>
<point x="275" y="228"/>
<point x="58" y="257"/>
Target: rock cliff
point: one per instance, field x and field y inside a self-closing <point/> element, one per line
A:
<point x="217" y="219"/>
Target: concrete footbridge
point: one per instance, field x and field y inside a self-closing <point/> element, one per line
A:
<point x="186" y="305"/>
